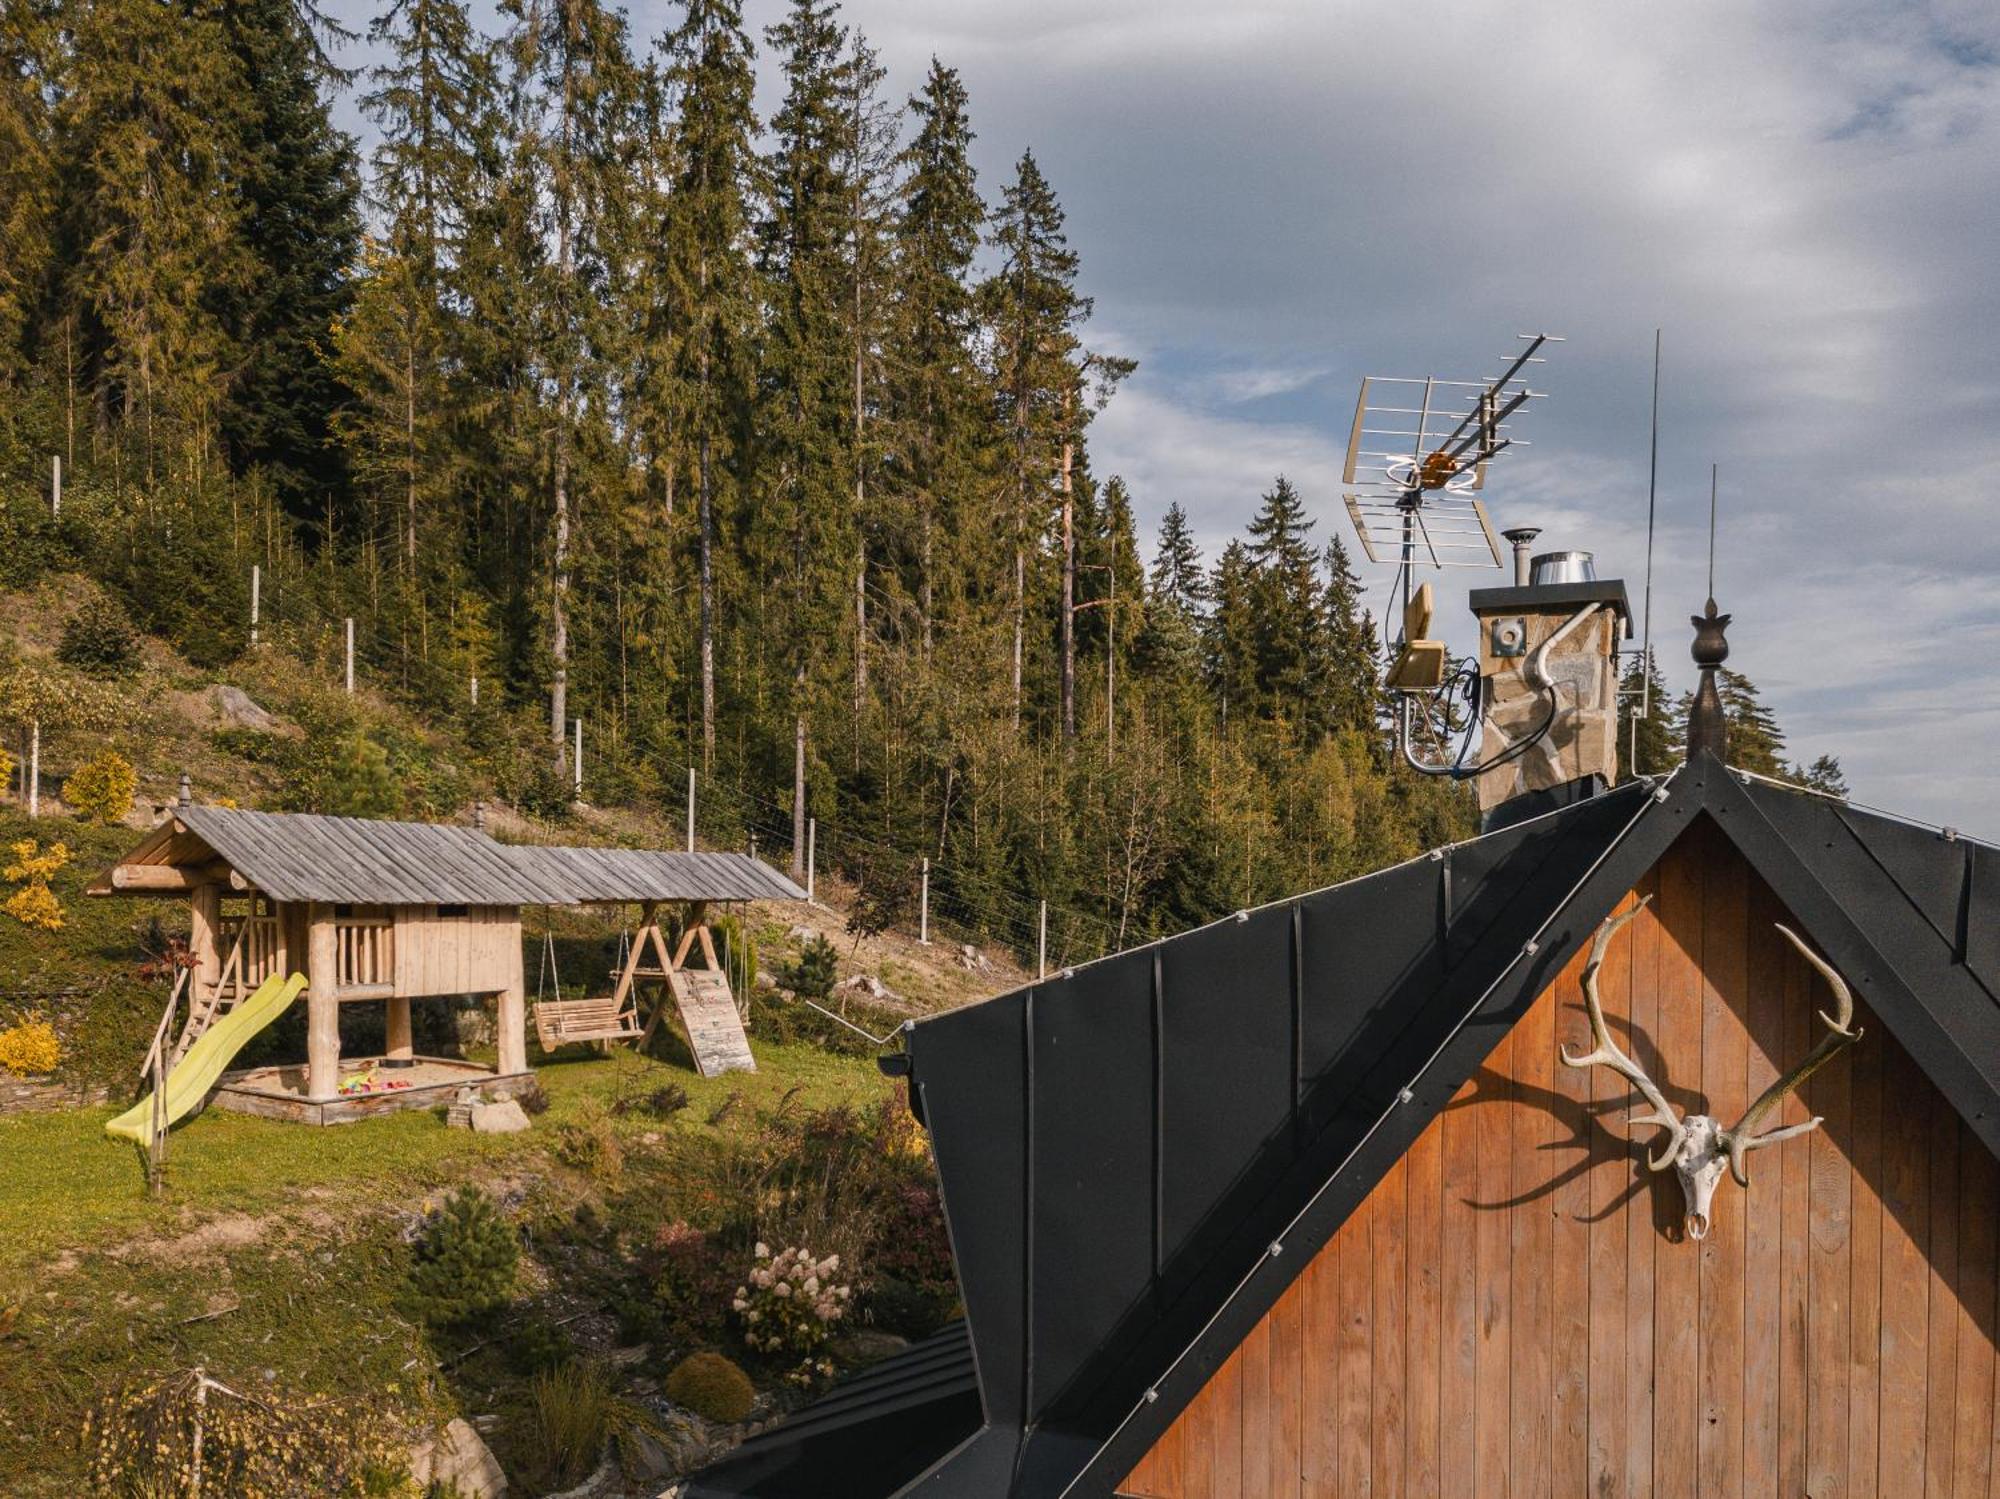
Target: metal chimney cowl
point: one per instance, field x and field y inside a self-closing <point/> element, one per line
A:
<point x="1581" y="745"/>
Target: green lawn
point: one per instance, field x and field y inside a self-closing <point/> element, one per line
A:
<point x="65" y="1185"/>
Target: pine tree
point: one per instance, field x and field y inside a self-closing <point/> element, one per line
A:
<point x="1646" y="745"/>
<point x="576" y="90"/>
<point x="937" y="399"/>
<point x="1352" y="682"/>
<point x="1288" y="610"/>
<point x="710" y="310"/>
<point x="1177" y="577"/>
<point x="1756" y="743"/>
<point x="806" y="422"/>
<point x="1033" y="310"/>
<point x="1232" y="644"/>
<point x="148" y="129"/>
<point x="31" y="60"/>
<point x="1823" y="775"/>
<point x="404" y="340"/>
<point x="297" y="181"/>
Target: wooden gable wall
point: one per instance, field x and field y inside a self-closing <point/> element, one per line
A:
<point x="1512" y="1312"/>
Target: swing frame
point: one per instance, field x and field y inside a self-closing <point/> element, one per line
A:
<point x="616" y="1017"/>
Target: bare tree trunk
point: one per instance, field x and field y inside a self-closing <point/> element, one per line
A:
<point x="1068" y="577"/>
<point x="410" y="454"/>
<point x="799" y="774"/>
<point x="707" y="528"/>
<point x="1111" y="665"/>
<point x="559" y="602"/>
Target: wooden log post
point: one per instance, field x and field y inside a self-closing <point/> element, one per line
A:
<point x="322" y="1006"/>
<point x="205" y="936"/>
<point x="510" y="1021"/>
<point x="397" y="1046"/>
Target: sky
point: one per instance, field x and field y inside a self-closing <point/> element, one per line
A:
<point x="1271" y="200"/>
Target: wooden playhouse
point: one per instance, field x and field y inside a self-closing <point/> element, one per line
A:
<point x="387" y="912"/>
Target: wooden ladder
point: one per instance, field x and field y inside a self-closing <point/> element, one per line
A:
<point x="205" y="1010"/>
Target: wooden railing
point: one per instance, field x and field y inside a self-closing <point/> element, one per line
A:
<point x="364" y="954"/>
<point x="253" y="945"/>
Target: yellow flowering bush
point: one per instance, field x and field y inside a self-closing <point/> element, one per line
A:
<point x="30" y="1047"/>
<point x="6" y="771"/>
<point x="102" y="788"/>
<point x="34" y="904"/>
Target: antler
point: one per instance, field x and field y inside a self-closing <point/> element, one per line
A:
<point x="1840" y="1035"/>
<point x="1608" y="1054"/>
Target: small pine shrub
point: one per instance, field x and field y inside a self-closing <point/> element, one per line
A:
<point x="811" y="977"/>
<point x="99" y="639"/>
<point x="536" y="1346"/>
<point x="466" y="1260"/>
<point x="30" y="1047"/>
<point x="712" y="1387"/>
<point x="102" y="788"/>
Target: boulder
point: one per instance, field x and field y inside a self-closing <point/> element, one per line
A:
<point x="766" y="981"/>
<point x="458" y="1461"/>
<point x="504" y="1118"/>
<point x="239" y="710"/>
<point x="803" y="933"/>
<point x="869" y="985"/>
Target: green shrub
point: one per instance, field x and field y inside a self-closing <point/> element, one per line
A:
<point x="712" y="1387"/>
<point x="537" y="1346"/>
<point x="812" y="976"/>
<point x="899" y="1307"/>
<point x="98" y="638"/>
<point x="465" y="1261"/>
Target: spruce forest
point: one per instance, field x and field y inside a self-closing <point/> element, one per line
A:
<point x="760" y="446"/>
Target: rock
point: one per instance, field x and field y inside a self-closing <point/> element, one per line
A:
<point x="680" y="1447"/>
<point x="239" y="710"/>
<point x="804" y="933"/>
<point x="868" y="984"/>
<point x="868" y="1345"/>
<point x="972" y="959"/>
<point x="504" y="1118"/>
<point x="458" y="1461"/>
<point x="766" y="981"/>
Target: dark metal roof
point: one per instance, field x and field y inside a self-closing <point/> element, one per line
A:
<point x="1121" y="1148"/>
<point x="303" y="856"/>
<point x="869" y="1435"/>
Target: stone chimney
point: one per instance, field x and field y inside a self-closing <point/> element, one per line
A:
<point x="1552" y="738"/>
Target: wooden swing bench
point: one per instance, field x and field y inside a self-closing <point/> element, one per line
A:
<point x="701" y="996"/>
<point x="558" y="1022"/>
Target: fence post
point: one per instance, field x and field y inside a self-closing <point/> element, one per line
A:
<point x="924" y="907"/>
<point x="475" y="689"/>
<point x="1042" y="943"/>
<point x="55" y="486"/>
<point x="350" y="655"/>
<point x="812" y="857"/>
<point x="579" y="758"/>
<point x="35" y="769"/>
<point x="690" y="809"/>
<point x="256" y="599"/>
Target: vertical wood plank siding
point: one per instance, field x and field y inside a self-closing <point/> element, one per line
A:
<point x="1512" y="1312"/>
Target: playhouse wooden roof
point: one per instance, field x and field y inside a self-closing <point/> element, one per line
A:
<point x="292" y="856"/>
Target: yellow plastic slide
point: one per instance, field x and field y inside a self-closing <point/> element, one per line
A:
<point x="189" y="1082"/>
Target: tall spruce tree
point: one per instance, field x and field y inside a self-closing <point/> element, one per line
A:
<point x="1288" y="610"/>
<point x="1352" y="684"/>
<point x="297" y="180"/>
<point x="711" y="305"/>
<point x="575" y="91"/>
<point x="1033" y="311"/>
<point x="806" y="424"/>
<point x="937" y="395"/>
<point x="150" y="127"/>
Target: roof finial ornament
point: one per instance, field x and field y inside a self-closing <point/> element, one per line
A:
<point x="479" y="814"/>
<point x="187" y="790"/>
<point x="1708" y="726"/>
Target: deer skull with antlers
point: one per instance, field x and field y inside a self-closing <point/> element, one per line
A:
<point x="1697" y="1146"/>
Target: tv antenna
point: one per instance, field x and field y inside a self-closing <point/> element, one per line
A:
<point x="1417" y="457"/>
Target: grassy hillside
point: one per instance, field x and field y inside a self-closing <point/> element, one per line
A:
<point x="279" y="1258"/>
